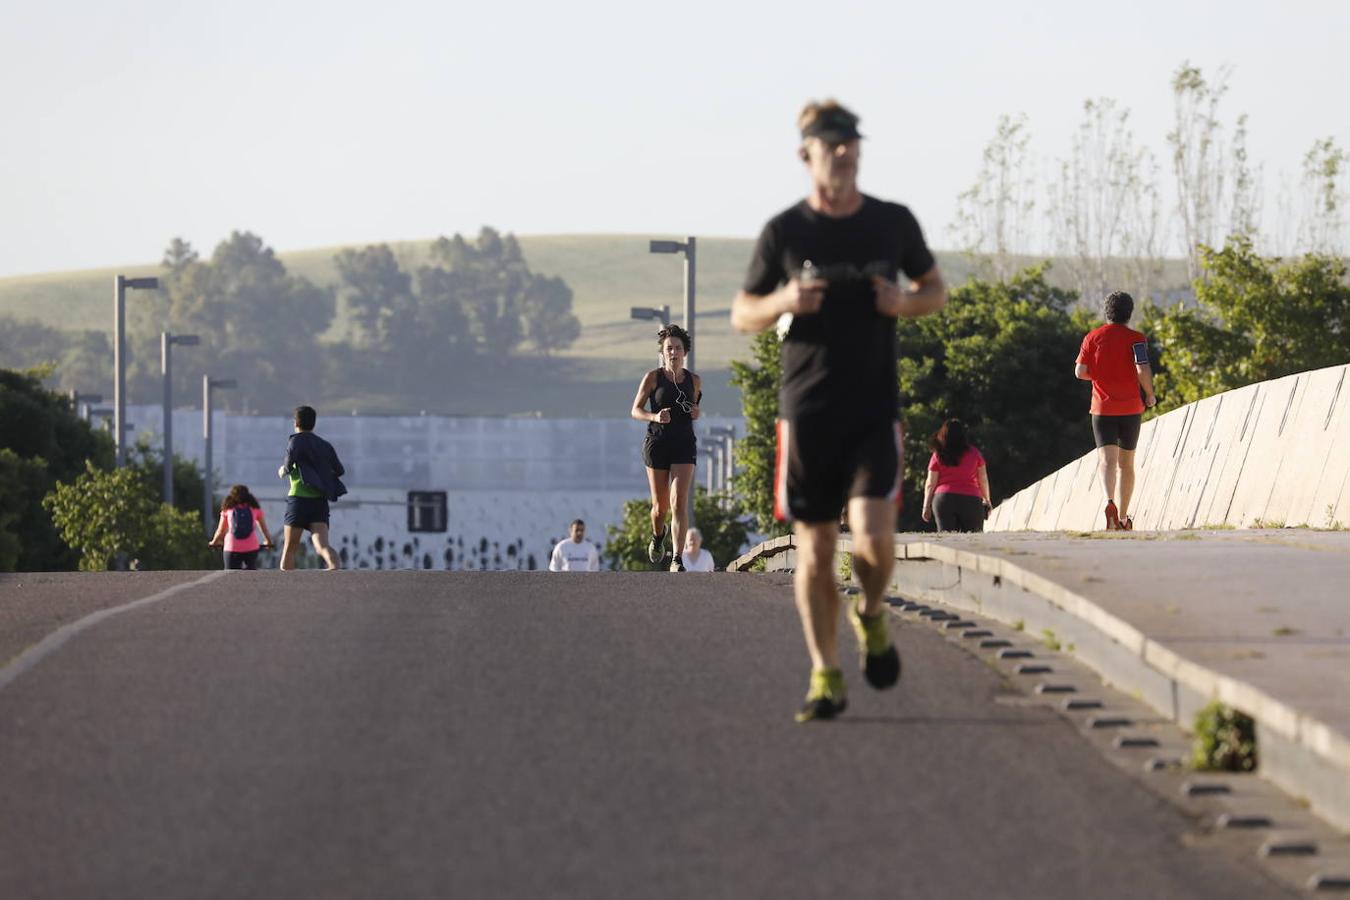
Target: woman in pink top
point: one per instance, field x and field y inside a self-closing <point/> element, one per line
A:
<point x="241" y="520"/>
<point x="957" y="491"/>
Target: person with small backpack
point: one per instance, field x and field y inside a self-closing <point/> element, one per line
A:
<point x="241" y="520"/>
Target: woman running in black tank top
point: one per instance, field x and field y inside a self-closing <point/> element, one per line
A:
<point x="670" y="450"/>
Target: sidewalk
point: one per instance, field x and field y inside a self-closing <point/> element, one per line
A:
<point x="1257" y="619"/>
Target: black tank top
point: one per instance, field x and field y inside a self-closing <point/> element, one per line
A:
<point x="669" y="395"/>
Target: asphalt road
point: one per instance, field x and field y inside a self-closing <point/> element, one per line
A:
<point x="362" y="734"/>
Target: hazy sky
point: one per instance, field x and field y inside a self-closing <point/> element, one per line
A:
<point x="313" y="124"/>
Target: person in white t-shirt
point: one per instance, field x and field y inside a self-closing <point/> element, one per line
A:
<point x="696" y="559"/>
<point x="575" y="554"/>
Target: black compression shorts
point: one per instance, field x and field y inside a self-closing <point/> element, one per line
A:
<point x="822" y="462"/>
<point x="663" y="452"/>
<point x="1120" y="430"/>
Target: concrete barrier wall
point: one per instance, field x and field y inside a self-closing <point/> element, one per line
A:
<point x="1274" y="453"/>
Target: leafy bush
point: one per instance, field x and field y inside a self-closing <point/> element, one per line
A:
<point x="724" y="532"/>
<point x="104" y="514"/>
<point x="1225" y="740"/>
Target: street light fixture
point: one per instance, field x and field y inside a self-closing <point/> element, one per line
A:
<point x="166" y="341"/>
<point x="121" y="284"/>
<point x="208" y="500"/>
<point x="660" y="314"/>
<point x="688" y="248"/>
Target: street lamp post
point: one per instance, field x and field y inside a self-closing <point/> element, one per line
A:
<point x="120" y="285"/>
<point x="688" y="248"/>
<point x="208" y="501"/>
<point x="166" y="341"/>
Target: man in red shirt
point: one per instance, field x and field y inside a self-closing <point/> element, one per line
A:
<point x="1114" y="358"/>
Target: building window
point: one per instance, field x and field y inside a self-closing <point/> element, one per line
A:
<point x="426" y="510"/>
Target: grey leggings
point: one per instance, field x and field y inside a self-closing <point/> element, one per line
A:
<point x="958" y="512"/>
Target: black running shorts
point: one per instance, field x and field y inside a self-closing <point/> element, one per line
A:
<point x="306" y="512"/>
<point x="662" y="453"/>
<point x="1120" y="430"/>
<point x="822" y="462"/>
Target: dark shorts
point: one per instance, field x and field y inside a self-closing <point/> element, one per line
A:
<point x="958" y="512"/>
<point x="246" y="560"/>
<point x="822" y="462"/>
<point x="306" y="512"/>
<point x="1120" y="430"/>
<point x="662" y="453"/>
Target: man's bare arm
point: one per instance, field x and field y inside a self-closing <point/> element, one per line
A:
<point x="1146" y="382"/>
<point x="1080" y="372"/>
<point x="927" y="295"/>
<point x="754" y="312"/>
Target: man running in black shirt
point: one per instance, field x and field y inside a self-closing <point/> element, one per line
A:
<point x="826" y="271"/>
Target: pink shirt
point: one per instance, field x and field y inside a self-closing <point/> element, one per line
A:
<point x="244" y="545"/>
<point x="959" y="479"/>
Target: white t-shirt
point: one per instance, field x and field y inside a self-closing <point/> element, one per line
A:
<point x="704" y="563"/>
<point x="574" y="556"/>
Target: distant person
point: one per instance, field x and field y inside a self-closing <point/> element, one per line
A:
<point x="315" y="474"/>
<point x="241" y="520"/>
<point x="1114" y="358"/>
<point x="834" y="272"/>
<point x="957" y="491"/>
<point x="670" y="450"/>
<point x="694" y="557"/>
<point x="574" y="553"/>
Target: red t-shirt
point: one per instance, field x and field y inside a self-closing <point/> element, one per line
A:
<point x="1110" y="354"/>
<point x="962" y="478"/>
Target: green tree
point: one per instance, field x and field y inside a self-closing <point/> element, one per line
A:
<point x="189" y="486"/>
<point x="258" y="323"/>
<point x="1000" y="358"/>
<point x="104" y="514"/>
<point x="1255" y="318"/>
<point x="758" y="384"/>
<point x="42" y="441"/>
<point x="80" y="360"/>
<point x="724" y="532"/>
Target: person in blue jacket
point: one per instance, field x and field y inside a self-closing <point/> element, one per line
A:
<point x="315" y="473"/>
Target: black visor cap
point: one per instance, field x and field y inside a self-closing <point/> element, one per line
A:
<point x="833" y="126"/>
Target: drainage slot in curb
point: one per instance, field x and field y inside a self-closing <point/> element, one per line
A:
<point x="995" y="642"/>
<point x="978" y="632"/>
<point x="1109" y="722"/>
<point x="1015" y="654"/>
<point x="1082" y="703"/>
<point x="1033" y="669"/>
<point x="1288" y="848"/>
<point x="1204" y="789"/>
<point x="1125" y="742"/>
<point x="1056" y="689"/>
<point x="1234" y="820"/>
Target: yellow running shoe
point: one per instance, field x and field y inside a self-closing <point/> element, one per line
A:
<point x="877" y="655"/>
<point x="826" y="698"/>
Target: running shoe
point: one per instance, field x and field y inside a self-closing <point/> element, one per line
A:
<point x="877" y="655"/>
<point x="656" y="547"/>
<point x="826" y="698"/>
<point x="677" y="565"/>
<point x="1112" y="516"/>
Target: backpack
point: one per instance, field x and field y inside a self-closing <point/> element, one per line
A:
<point x="241" y="521"/>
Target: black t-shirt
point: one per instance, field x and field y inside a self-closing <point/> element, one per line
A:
<point x="841" y="359"/>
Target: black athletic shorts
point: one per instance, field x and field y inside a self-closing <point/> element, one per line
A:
<point x="824" y="460"/>
<point x="306" y="512"/>
<point x="662" y="453"/>
<point x="1121" y="430"/>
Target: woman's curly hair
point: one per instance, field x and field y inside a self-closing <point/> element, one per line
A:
<point x="675" y="331"/>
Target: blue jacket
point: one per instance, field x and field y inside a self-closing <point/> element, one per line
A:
<point x="318" y="463"/>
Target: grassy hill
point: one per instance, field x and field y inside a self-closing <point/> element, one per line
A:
<point x="596" y="376"/>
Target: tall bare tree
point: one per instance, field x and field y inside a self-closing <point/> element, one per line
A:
<point x="994" y="215"/>
<point x="1323" y="200"/>
<point x="1102" y="210"/>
